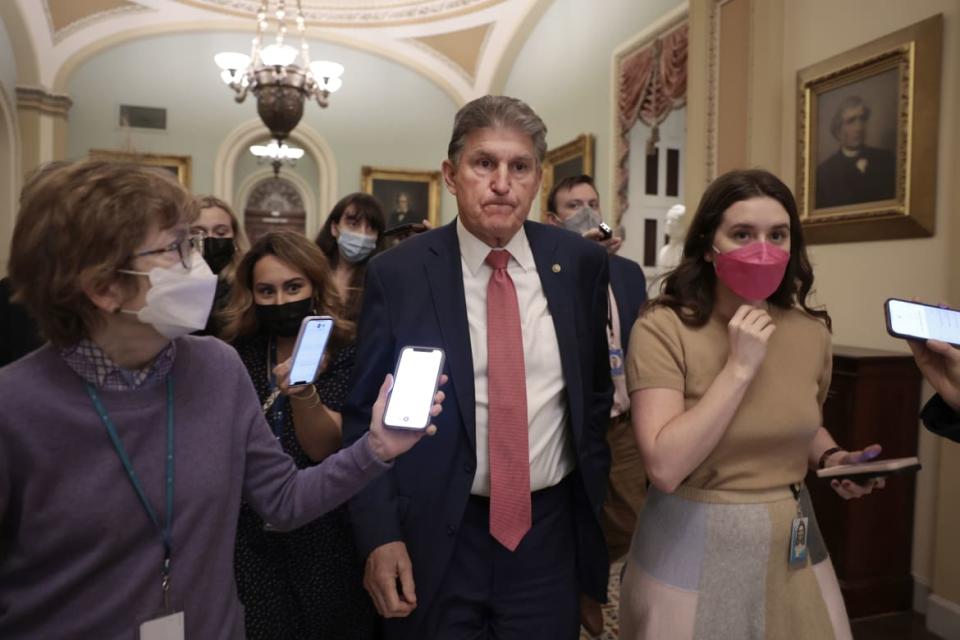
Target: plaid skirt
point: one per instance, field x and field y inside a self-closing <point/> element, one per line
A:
<point x="714" y="565"/>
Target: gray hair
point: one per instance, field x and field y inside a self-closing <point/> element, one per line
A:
<point x="497" y="112"/>
<point x="849" y="102"/>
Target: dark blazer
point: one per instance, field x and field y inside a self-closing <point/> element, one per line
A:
<point x="630" y="290"/>
<point x="839" y="182"/>
<point x="941" y="419"/>
<point x="414" y="296"/>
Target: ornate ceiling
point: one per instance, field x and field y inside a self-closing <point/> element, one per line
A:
<point x="462" y="45"/>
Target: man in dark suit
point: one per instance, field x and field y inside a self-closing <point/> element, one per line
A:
<point x="856" y="173"/>
<point x="573" y="203"/>
<point x="492" y="529"/>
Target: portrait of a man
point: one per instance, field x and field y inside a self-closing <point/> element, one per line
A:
<point x="857" y="158"/>
<point x="407" y="197"/>
<point x="402" y="212"/>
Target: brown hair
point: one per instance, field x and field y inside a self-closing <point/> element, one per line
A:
<point x="239" y="237"/>
<point x="368" y="208"/>
<point x="239" y="317"/>
<point x="565" y="185"/>
<point x="78" y="223"/>
<point x="497" y="112"/>
<point x="691" y="289"/>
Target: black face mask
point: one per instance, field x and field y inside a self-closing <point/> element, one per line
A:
<point x="218" y="252"/>
<point x="283" y="320"/>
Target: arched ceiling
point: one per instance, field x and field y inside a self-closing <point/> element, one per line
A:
<point x="462" y="45"/>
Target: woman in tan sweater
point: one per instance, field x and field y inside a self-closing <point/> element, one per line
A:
<point x="727" y="375"/>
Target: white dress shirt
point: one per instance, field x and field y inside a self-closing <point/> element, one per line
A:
<point x="551" y="450"/>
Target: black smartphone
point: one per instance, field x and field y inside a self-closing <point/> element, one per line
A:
<point x="919" y="321"/>
<point x="415" y="382"/>
<point x="605" y="231"/>
<point x="309" y="348"/>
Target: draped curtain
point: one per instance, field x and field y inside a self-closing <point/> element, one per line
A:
<point x="651" y="82"/>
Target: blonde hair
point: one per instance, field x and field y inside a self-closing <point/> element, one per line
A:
<point x="78" y="224"/>
<point x="239" y="237"/>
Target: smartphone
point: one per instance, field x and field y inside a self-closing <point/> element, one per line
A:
<point x="605" y="231"/>
<point x="308" y="350"/>
<point x="873" y="469"/>
<point x="918" y="321"/>
<point x="415" y="382"/>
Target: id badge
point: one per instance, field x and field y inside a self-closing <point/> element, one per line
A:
<point x="798" y="543"/>
<point x="616" y="362"/>
<point x="169" y="627"/>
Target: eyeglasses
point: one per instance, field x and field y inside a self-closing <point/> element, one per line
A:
<point x="185" y="247"/>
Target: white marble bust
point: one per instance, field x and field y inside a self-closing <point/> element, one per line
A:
<point x="670" y="253"/>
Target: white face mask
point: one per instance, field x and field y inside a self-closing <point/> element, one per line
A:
<point x="179" y="300"/>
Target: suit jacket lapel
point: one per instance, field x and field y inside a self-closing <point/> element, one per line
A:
<point x="556" y="279"/>
<point x="445" y="275"/>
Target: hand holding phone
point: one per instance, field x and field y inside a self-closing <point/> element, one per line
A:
<point x="415" y="382"/>
<point x="309" y="349"/>
<point x="605" y="231"/>
<point x="919" y="321"/>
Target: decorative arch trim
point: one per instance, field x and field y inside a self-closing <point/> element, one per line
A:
<point x="237" y="142"/>
<point x="249" y="183"/>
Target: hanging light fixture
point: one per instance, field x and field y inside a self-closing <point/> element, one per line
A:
<point x="277" y="155"/>
<point x="279" y="75"/>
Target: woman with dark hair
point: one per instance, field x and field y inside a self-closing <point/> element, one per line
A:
<point x="352" y="234"/>
<point x="306" y="583"/>
<point x="727" y="381"/>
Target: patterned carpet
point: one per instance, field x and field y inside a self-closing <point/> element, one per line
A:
<point x="611" y="624"/>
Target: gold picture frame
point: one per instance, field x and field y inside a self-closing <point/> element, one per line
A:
<point x="421" y="188"/>
<point x="867" y="124"/>
<point x="571" y="159"/>
<point x="179" y="166"/>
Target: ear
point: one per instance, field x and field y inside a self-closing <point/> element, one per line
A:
<point x="108" y="296"/>
<point x="449" y="171"/>
<point x="551" y="218"/>
<point x="335" y="229"/>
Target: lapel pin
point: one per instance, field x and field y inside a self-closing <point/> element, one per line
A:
<point x="556" y="268"/>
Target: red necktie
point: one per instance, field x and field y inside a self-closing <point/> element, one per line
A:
<point x="508" y="444"/>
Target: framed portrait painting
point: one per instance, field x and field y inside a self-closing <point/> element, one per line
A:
<point x="867" y="139"/>
<point x="178" y="166"/>
<point x="406" y="196"/>
<point x="571" y="159"/>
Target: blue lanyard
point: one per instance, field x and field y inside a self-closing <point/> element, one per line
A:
<point x="277" y="415"/>
<point x="166" y="529"/>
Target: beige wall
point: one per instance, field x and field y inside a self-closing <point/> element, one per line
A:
<point x="854" y="279"/>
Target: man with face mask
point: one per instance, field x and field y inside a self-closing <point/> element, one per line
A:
<point x="574" y="204"/>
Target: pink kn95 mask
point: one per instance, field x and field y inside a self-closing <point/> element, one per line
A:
<point x="752" y="272"/>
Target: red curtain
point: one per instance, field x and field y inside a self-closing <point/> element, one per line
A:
<point x="652" y="82"/>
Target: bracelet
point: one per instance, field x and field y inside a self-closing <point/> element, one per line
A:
<point x="826" y="454"/>
<point x="308" y="396"/>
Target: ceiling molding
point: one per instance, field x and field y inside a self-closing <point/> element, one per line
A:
<point x="376" y="14"/>
<point x="460" y="49"/>
<point x="69" y="16"/>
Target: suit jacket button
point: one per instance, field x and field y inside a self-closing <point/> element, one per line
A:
<point x="450" y="530"/>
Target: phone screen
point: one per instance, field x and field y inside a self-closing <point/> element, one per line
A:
<point x="923" y="321"/>
<point x="414" y="385"/>
<point x="311" y="343"/>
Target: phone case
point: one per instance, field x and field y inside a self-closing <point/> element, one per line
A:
<point x="296" y="345"/>
<point x="873" y="469"/>
<point x="436" y="385"/>
<point x="904" y="336"/>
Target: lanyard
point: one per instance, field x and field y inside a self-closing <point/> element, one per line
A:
<point x="166" y="529"/>
<point x="276" y="410"/>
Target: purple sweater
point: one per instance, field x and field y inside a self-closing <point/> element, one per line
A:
<point x="79" y="558"/>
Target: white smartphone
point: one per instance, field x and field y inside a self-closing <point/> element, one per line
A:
<point x="415" y="382"/>
<point x="309" y="348"/>
<point x="918" y="321"/>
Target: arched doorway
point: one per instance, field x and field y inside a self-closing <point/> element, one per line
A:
<point x="273" y="204"/>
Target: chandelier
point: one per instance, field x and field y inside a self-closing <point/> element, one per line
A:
<point x="277" y="155"/>
<point x="279" y="75"/>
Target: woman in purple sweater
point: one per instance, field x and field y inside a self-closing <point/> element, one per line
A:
<point x="126" y="446"/>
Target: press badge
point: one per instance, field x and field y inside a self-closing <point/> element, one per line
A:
<point x="616" y="362"/>
<point x="798" y="543"/>
<point x="169" y="627"/>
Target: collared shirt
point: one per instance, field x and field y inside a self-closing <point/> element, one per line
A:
<point x="621" y="399"/>
<point x="551" y="450"/>
<point x="92" y="364"/>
